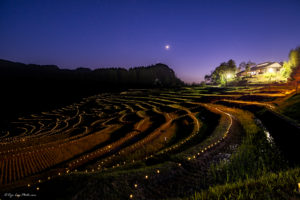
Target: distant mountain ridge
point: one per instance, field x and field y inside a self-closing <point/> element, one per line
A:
<point x="27" y="88"/>
<point x="154" y="75"/>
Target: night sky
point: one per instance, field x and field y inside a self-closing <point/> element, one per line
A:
<point x="127" y="33"/>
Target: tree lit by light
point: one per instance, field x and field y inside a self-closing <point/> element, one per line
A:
<point x="228" y="76"/>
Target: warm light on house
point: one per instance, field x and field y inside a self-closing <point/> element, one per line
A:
<point x="271" y="70"/>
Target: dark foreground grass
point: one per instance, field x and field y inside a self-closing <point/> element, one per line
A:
<point x="271" y="186"/>
<point x="255" y="171"/>
<point x="291" y="108"/>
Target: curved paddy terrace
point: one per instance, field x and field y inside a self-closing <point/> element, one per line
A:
<point x="144" y="144"/>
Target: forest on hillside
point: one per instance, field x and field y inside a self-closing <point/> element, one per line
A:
<point x="31" y="87"/>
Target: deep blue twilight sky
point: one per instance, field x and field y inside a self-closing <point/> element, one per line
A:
<point x="128" y="33"/>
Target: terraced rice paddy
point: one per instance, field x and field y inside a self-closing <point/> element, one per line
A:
<point x="166" y="136"/>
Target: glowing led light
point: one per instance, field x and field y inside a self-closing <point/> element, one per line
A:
<point x="157" y="171"/>
<point x="167" y="47"/>
<point x="135" y="185"/>
<point x="270" y="70"/>
<point x="146" y="177"/>
<point x="37" y="188"/>
<point x="228" y="75"/>
<point x="130" y="196"/>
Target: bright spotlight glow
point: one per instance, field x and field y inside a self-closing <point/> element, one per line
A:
<point x="167" y="47"/>
<point x="270" y="70"/>
<point x="228" y="76"/>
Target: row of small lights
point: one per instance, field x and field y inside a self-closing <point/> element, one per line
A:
<point x="98" y="168"/>
<point x="102" y="162"/>
<point x="188" y="158"/>
<point x="39" y="181"/>
<point x="36" y="151"/>
<point x="117" y="165"/>
<point x="201" y="151"/>
<point x="16" y="139"/>
<point x="54" y="112"/>
<point x="157" y="171"/>
<point x="60" y="110"/>
<point x="182" y="142"/>
<point x="86" y="156"/>
<point x="80" y="102"/>
<point x="63" y="142"/>
<point x="109" y="147"/>
<point x="250" y="103"/>
<point x="179" y="164"/>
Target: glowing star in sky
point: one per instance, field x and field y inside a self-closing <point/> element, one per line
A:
<point x="167" y="47"/>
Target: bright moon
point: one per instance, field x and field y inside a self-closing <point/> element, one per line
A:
<point x="167" y="47"/>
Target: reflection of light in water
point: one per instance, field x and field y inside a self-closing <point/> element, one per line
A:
<point x="270" y="139"/>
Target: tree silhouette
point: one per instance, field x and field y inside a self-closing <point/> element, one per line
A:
<point x="42" y="87"/>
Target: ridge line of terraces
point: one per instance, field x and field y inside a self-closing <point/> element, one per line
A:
<point x="50" y="144"/>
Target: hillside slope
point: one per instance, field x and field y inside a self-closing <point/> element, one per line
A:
<point x="30" y="88"/>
